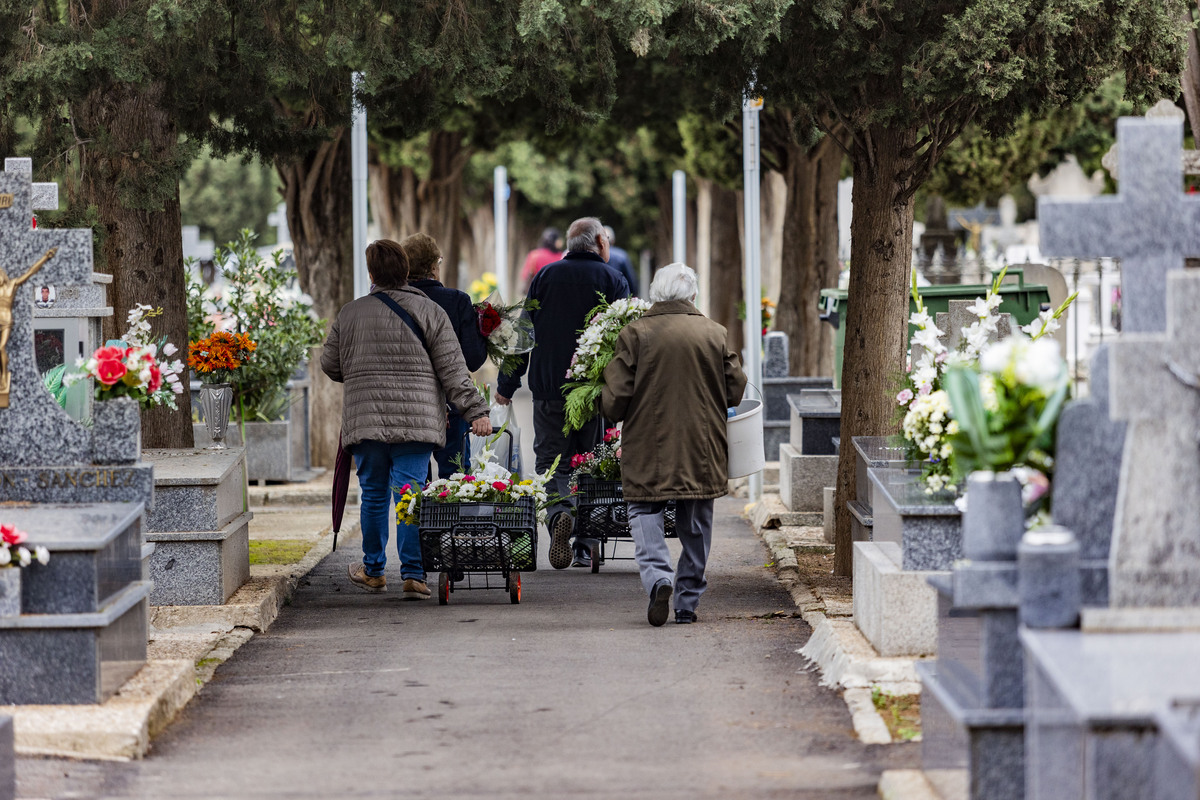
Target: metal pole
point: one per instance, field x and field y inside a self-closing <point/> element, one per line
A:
<point x="679" y="216"/>
<point x="753" y="257"/>
<point x="358" y="179"/>
<point x="500" y="211"/>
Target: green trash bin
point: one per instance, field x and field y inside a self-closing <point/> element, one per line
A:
<point x="1023" y="301"/>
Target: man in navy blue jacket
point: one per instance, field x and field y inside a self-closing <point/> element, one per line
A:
<point x="565" y="291"/>
<point x="424" y="260"/>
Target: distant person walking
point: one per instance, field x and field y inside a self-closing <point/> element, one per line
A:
<point x="618" y="259"/>
<point x="396" y="354"/>
<point x="424" y="266"/>
<point x="671" y="380"/>
<point x="548" y="251"/>
<point x="565" y="291"/>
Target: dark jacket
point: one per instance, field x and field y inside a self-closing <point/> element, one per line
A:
<point x="618" y="259"/>
<point x="395" y="390"/>
<point x="671" y="380"/>
<point x="565" y="291"/>
<point x="463" y="319"/>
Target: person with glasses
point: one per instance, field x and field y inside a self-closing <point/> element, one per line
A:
<point x="424" y="265"/>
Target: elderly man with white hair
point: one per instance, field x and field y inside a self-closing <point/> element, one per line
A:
<point x="671" y="381"/>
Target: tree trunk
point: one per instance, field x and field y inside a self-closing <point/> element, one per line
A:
<point x="796" y="306"/>
<point x="727" y="264"/>
<point x="126" y="174"/>
<point x="877" y="307"/>
<point x="829" y="173"/>
<point x="809" y="262"/>
<point x="440" y="198"/>
<point x="319" y="216"/>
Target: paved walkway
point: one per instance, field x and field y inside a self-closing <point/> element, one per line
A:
<point x="570" y="694"/>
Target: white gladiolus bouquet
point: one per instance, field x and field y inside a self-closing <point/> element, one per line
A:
<point x="596" y="347"/>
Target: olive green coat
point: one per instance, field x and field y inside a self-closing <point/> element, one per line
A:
<point x="671" y="381"/>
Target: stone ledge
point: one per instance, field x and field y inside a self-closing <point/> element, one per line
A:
<point x="770" y="512"/>
<point x="906" y="784"/>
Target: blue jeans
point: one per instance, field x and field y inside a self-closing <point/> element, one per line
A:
<point x="455" y="439"/>
<point x="383" y="469"/>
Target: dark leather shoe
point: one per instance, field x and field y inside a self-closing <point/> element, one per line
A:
<point x="684" y="617"/>
<point x="660" y="603"/>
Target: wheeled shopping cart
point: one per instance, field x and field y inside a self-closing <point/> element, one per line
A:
<point x="602" y="519"/>
<point x="479" y="545"/>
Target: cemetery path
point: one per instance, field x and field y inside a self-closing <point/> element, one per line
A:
<point x="570" y="694"/>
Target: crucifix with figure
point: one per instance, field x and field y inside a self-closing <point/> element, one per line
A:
<point x="1150" y="223"/>
<point x="57" y="257"/>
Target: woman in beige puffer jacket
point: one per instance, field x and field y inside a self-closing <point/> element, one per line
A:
<point x="394" y="405"/>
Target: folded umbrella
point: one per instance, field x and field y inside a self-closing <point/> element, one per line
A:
<point x="341" y="487"/>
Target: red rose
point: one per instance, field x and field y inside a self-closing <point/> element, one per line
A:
<point x="11" y="535"/>
<point x="110" y="370"/>
<point x="155" y="378"/>
<point x="489" y="320"/>
<point x="499" y="486"/>
<point x="110" y="353"/>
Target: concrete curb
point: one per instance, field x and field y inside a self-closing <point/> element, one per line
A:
<point x="905" y="784"/>
<point x="204" y="637"/>
<point x="842" y="655"/>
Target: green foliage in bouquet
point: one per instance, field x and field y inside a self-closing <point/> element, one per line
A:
<point x="596" y="347"/>
<point x="1007" y="409"/>
<point x="261" y="298"/>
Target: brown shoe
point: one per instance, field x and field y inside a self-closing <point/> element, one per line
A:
<point x="414" y="589"/>
<point x="370" y="583"/>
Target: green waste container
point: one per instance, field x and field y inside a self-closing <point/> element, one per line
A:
<point x="1023" y="301"/>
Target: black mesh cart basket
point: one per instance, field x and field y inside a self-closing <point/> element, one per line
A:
<point x="602" y="517"/>
<point x="473" y="544"/>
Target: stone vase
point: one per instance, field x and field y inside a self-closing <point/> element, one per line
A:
<point x="995" y="518"/>
<point x="216" y="400"/>
<point x="116" y="431"/>
<point x="10" y="592"/>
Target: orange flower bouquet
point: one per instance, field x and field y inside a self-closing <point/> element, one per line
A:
<point x="215" y="357"/>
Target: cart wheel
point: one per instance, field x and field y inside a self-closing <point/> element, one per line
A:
<point x="597" y="553"/>
<point x="443" y="588"/>
<point x="514" y="587"/>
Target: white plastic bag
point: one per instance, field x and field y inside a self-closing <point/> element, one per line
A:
<point x="506" y="450"/>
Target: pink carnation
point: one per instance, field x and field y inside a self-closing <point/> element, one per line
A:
<point x="444" y="493"/>
<point x="11" y="536"/>
<point x="499" y="486"/>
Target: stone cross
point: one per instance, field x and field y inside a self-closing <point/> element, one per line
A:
<point x="1155" y="557"/>
<point x="28" y="414"/>
<point x="1150" y="223"/>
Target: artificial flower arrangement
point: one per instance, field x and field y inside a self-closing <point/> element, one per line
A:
<point x="768" y="314"/>
<point x="602" y="463"/>
<point x="217" y="356"/>
<point x="13" y="553"/>
<point x="260" y="297"/>
<point x="929" y="426"/>
<point x="507" y="329"/>
<point x="131" y="367"/>
<point x="597" y="346"/>
<point x="485" y="482"/>
<point x="482" y="287"/>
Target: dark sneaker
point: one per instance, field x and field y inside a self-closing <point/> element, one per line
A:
<point x="414" y="589"/>
<point x="560" y="540"/>
<point x="684" y="617"/>
<point x="370" y="583"/>
<point x="660" y="603"/>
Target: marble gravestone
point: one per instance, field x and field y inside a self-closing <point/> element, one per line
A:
<point x="1086" y="477"/>
<point x="79" y="491"/>
<point x="960" y="317"/>
<point x="1150" y="223"/>
<point x="1156" y="538"/>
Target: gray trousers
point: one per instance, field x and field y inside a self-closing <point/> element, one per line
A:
<point x="693" y="524"/>
<point x="549" y="441"/>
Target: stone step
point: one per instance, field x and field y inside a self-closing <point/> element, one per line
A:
<point x="805" y="539"/>
<point x="771" y="513"/>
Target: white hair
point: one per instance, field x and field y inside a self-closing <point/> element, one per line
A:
<point x="674" y="282"/>
<point x="584" y="235"/>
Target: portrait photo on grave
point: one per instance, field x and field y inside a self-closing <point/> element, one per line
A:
<point x="44" y="296"/>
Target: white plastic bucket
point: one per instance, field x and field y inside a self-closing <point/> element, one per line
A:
<point x="747" y="453"/>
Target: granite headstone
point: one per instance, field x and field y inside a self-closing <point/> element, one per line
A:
<point x="1156" y="538"/>
<point x="775" y="355"/>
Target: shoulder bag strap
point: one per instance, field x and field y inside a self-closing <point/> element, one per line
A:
<point x="407" y="318"/>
